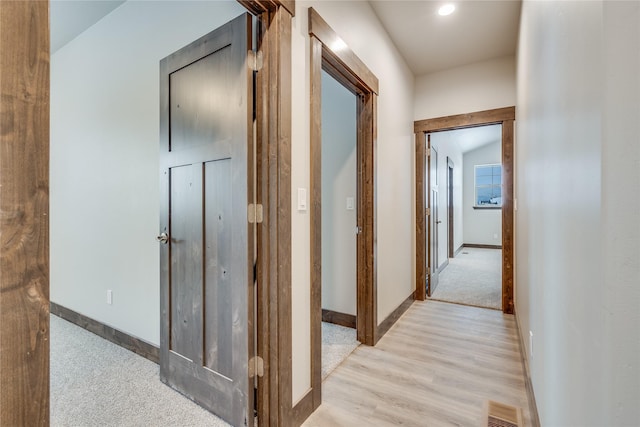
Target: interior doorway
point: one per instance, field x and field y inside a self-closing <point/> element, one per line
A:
<point x="468" y="262"/>
<point x="424" y="215"/>
<point x="339" y="222"/>
<point x="331" y="55"/>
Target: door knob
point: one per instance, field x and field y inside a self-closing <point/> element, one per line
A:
<point x="163" y="238"/>
<point x="438" y="222"/>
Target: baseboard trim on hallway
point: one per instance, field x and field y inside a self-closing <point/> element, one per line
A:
<point x="533" y="407"/>
<point x="392" y="318"/>
<point x="474" y="245"/>
<point x="131" y="343"/>
<point x="337" y="318"/>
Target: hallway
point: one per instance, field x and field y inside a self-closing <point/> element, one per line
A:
<point x="437" y="366"/>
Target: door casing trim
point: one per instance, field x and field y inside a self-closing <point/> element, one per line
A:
<point x="506" y="117"/>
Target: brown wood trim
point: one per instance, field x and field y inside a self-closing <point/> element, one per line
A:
<point x="315" y="218"/>
<point x="124" y="340"/>
<point x="319" y="28"/>
<point x="337" y="318"/>
<point x="480" y="246"/>
<point x="259" y="7"/>
<point x="301" y="411"/>
<point x="366" y="320"/>
<point x="421" y="223"/>
<point x="273" y="191"/>
<point x="507" y="217"/>
<point x="24" y="218"/>
<point x="478" y="118"/>
<point x="531" y="397"/>
<point x="428" y="220"/>
<point x="504" y="116"/>
<point x="392" y="318"/>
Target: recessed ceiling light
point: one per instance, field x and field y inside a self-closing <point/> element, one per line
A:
<point x="447" y="9"/>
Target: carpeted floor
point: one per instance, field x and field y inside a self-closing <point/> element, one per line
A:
<point x="97" y="383"/>
<point x="337" y="344"/>
<point x="473" y="277"/>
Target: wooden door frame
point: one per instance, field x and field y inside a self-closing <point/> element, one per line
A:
<point x="343" y="65"/>
<point x="28" y="22"/>
<point x="505" y="117"/>
<point x="273" y="192"/>
<point x="24" y="223"/>
<point x="450" y="210"/>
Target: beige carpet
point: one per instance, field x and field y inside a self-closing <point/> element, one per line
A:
<point x="473" y="277"/>
<point x="337" y="344"/>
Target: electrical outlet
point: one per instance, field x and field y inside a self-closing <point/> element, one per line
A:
<point x="109" y="297"/>
<point x="531" y="344"/>
<point x="495" y="236"/>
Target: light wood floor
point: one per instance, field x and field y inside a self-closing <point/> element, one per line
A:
<point x="437" y="366"/>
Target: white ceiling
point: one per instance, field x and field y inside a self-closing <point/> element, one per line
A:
<point x="471" y="138"/>
<point x="478" y="30"/>
<point x="69" y="18"/>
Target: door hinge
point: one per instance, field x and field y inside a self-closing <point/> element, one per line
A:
<point x="254" y="213"/>
<point x="428" y="271"/>
<point x="427" y="151"/>
<point x="427" y="211"/>
<point x="254" y="59"/>
<point x="256" y="367"/>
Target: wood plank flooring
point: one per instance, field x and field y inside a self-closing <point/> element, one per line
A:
<point x="437" y="366"/>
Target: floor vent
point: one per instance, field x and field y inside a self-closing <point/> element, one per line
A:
<point x="501" y="415"/>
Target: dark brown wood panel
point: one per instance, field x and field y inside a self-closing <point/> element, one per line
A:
<point x="315" y="216"/>
<point x="342" y="319"/>
<point x="392" y="318"/>
<point x="273" y="113"/>
<point x="478" y="118"/>
<point x="124" y="340"/>
<point x="344" y="55"/>
<point x="421" y="219"/>
<point x="505" y="117"/>
<point x="259" y="7"/>
<point x="367" y="289"/>
<point x="24" y="223"/>
<point x="507" y="217"/>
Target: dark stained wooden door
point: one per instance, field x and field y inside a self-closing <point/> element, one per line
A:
<point x="206" y="243"/>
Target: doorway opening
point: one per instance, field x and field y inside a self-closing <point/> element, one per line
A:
<point x="427" y="216"/>
<point x="349" y="71"/>
<point x="339" y="222"/>
<point x="467" y="264"/>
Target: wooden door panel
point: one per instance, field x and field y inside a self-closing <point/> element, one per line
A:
<point x="199" y="112"/>
<point x="186" y="260"/>
<point x="218" y="323"/>
<point x="206" y="175"/>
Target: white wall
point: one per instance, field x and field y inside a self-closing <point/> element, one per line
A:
<point x="104" y="159"/>
<point x="448" y="148"/>
<point x="481" y="226"/>
<point x="358" y="26"/>
<point x="475" y="87"/>
<point x="338" y="183"/>
<point x="578" y="228"/>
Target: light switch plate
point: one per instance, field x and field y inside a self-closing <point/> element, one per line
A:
<point x="302" y="199"/>
<point x="350" y="203"/>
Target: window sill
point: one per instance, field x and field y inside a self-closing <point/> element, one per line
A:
<point x="487" y="207"/>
